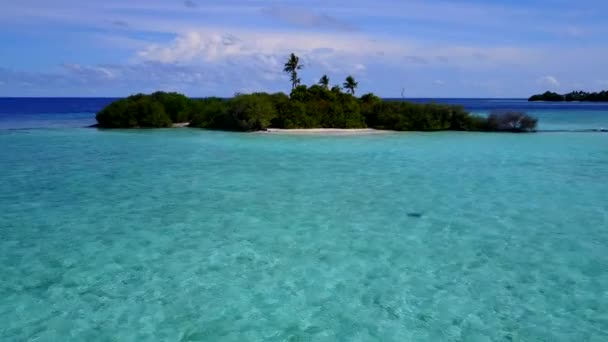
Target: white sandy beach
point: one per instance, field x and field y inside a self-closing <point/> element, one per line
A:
<point x="325" y="131"/>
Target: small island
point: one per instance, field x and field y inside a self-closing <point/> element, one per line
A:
<point x="306" y="107"/>
<point x="573" y="96"/>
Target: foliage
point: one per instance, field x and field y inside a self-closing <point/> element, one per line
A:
<point x="547" y="96"/>
<point x="306" y="107"/>
<point x="406" y="116"/>
<point x="318" y="107"/>
<point x="252" y="112"/>
<point x="135" y="111"/>
<point x="207" y="113"/>
<point x="324" y="82"/>
<point x="291" y="67"/>
<point x="175" y="105"/>
<point x="571" y="96"/>
<point x="350" y="85"/>
<point x="511" y="122"/>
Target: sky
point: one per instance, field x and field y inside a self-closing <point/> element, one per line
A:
<point x="432" y="48"/>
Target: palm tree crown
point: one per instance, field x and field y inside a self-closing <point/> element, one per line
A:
<point x="291" y="67"/>
<point x="351" y="85"/>
<point x="324" y="81"/>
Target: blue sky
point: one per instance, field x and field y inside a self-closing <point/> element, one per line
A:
<point x="432" y="48"/>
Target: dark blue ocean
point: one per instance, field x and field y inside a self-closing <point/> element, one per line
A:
<point x="19" y="113"/>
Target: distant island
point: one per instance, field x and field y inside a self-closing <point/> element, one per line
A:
<point x="571" y="97"/>
<point x="316" y="106"/>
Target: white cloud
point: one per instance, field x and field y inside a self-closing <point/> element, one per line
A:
<point x="215" y="44"/>
<point x="549" y="81"/>
<point x="338" y="52"/>
<point x="93" y="73"/>
<point x="194" y="44"/>
<point x="261" y="54"/>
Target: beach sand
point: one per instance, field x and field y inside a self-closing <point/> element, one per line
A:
<point x="325" y="131"/>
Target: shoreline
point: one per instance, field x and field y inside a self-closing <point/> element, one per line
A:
<point x="324" y="131"/>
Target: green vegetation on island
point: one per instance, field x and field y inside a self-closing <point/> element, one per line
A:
<point x="571" y="96"/>
<point x="317" y="106"/>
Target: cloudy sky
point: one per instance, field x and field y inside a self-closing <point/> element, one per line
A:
<point x="425" y="48"/>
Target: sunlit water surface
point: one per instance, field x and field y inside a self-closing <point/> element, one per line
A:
<point x="190" y="235"/>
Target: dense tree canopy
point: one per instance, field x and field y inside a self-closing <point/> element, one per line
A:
<point x="156" y="110"/>
<point x="572" y="96"/>
<point x="306" y="107"/>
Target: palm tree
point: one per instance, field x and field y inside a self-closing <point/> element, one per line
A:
<point x="324" y="82"/>
<point x="291" y="67"/>
<point x="351" y="85"/>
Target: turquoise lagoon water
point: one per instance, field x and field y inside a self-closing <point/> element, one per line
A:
<point x="190" y="235"/>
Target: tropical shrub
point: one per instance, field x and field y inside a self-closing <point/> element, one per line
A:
<point x="252" y="112"/>
<point x="307" y="107"/>
<point x="511" y="122"/>
<point x="135" y="111"/>
<point x="175" y="105"/>
<point x="601" y="96"/>
<point x="207" y="113"/>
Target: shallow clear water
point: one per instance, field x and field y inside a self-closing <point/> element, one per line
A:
<point x="189" y="235"/>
